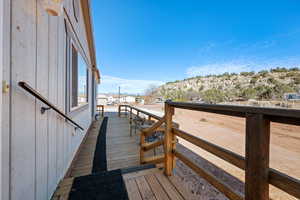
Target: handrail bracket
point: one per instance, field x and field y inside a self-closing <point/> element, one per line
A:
<point x="44" y="109"/>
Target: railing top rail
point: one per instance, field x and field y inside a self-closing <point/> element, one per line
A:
<point x="36" y="94"/>
<point x="144" y="112"/>
<point x="236" y="110"/>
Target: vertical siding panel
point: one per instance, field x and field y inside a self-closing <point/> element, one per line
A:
<point x="52" y="121"/>
<point x="67" y="132"/>
<point x="1" y="95"/>
<point x="1" y="70"/>
<point x="60" y="98"/>
<point x="23" y="105"/>
<point x="63" y="74"/>
<point x="42" y="87"/>
<point x="6" y="114"/>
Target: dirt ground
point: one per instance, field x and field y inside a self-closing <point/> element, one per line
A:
<point x="229" y="132"/>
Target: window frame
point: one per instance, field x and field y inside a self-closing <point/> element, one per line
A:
<point x="72" y="45"/>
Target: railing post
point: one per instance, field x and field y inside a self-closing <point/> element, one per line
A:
<point x="130" y="121"/>
<point x="142" y="141"/>
<point x="169" y="140"/>
<point x="257" y="157"/>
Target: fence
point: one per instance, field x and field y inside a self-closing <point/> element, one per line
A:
<point x="258" y="174"/>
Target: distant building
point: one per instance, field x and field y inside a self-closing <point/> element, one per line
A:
<point x="292" y="96"/>
<point x="127" y="99"/>
<point x="139" y="100"/>
<point x="106" y="99"/>
<point x="111" y="99"/>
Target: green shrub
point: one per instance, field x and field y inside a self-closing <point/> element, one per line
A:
<point x="237" y="86"/>
<point x="247" y="73"/>
<point x="279" y="69"/>
<point x="280" y="89"/>
<point x="253" y="80"/>
<point x="282" y="77"/>
<point x="201" y="88"/>
<point x="263" y="73"/>
<point x="264" y="92"/>
<point x="271" y="80"/>
<point x="294" y="69"/>
<point x="291" y="74"/>
<point x="297" y="80"/>
<point x="213" y="96"/>
<point x="248" y="93"/>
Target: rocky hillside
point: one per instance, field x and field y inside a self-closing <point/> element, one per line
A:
<point x="263" y="85"/>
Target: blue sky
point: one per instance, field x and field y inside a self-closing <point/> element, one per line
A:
<point x="143" y="42"/>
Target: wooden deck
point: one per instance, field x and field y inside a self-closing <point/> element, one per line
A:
<point x="122" y="151"/>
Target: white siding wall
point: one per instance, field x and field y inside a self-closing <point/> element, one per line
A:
<point x="5" y="110"/>
<point x="1" y="69"/>
<point x="41" y="145"/>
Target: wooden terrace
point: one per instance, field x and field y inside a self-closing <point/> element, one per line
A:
<point x="123" y="152"/>
<point x="149" y="175"/>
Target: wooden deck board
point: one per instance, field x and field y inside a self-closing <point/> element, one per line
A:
<point x="153" y="184"/>
<point x="132" y="190"/>
<point x="158" y="191"/>
<point x="144" y="188"/>
<point x="168" y="187"/>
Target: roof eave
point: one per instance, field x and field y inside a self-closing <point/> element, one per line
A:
<point x="86" y="10"/>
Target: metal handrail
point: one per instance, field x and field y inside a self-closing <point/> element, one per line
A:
<point x="36" y="94"/>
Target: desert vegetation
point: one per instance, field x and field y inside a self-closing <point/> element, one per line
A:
<point x="263" y="85"/>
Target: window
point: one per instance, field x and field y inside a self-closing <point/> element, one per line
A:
<point x="79" y="80"/>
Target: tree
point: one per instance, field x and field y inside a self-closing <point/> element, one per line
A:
<point x="151" y="93"/>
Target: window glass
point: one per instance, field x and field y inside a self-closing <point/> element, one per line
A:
<point x="79" y="79"/>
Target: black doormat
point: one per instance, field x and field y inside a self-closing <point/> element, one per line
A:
<point x="100" y="162"/>
<point x="100" y="186"/>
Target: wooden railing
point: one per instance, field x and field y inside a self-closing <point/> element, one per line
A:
<point x="122" y="108"/>
<point x="157" y="126"/>
<point x="100" y="109"/>
<point x="258" y="174"/>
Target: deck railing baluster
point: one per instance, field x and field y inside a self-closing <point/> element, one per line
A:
<point x="257" y="157"/>
<point x="169" y="138"/>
